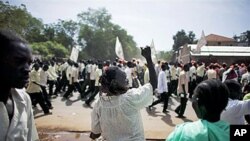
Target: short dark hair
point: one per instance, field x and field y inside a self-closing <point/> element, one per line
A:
<point x="7" y="39"/>
<point x="213" y="95"/>
<point x="108" y="80"/>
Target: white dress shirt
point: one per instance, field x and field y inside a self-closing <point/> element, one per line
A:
<point x="162" y="85"/>
<point x="22" y="126"/>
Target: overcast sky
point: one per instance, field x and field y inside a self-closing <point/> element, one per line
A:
<point x="154" y="19"/>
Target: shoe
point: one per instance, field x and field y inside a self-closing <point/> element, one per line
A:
<point x="48" y="113"/>
<point x="88" y="104"/>
<point x="165" y="111"/>
<point x="149" y="108"/>
<point x="180" y="116"/>
<point x="176" y="111"/>
<point x="51" y="107"/>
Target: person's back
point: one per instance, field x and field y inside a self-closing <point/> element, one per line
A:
<point x="201" y="130"/>
<point x="209" y="99"/>
<point x="116" y="115"/>
<point x="119" y="116"/>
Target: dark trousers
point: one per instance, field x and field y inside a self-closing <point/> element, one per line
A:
<point x="192" y="85"/>
<point x="164" y="98"/>
<point x="45" y="96"/>
<point x="182" y="107"/>
<point x="63" y="82"/>
<point x="173" y="86"/>
<point x="91" y="88"/>
<point x="86" y="83"/>
<point x="51" y="84"/>
<point x="199" y="79"/>
<point x="92" y="97"/>
<point x="38" y="97"/>
<point x="71" y="88"/>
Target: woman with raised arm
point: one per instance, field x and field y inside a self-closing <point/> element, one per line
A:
<point x="116" y="115"/>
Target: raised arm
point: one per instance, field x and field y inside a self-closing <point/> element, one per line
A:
<point x="146" y="52"/>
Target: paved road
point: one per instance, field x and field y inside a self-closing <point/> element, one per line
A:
<point x="73" y="116"/>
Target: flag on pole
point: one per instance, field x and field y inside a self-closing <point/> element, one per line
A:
<point x="118" y="49"/>
<point x="153" y="52"/>
<point x="74" y="54"/>
<point x="201" y="42"/>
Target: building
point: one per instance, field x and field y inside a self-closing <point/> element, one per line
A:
<point x="218" y="49"/>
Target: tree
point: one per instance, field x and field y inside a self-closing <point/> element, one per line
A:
<point x="50" y="49"/>
<point x="243" y="38"/>
<point x="100" y="34"/>
<point x="165" y="55"/>
<point x="182" y="38"/>
<point x="18" y="19"/>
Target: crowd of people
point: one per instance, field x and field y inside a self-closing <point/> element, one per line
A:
<point x="219" y="93"/>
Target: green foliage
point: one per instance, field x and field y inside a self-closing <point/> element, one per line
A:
<point x="100" y="34"/>
<point x="165" y="55"/>
<point x="243" y="38"/>
<point x="182" y="38"/>
<point x="19" y="20"/>
<point x="50" y="49"/>
<point x="94" y="26"/>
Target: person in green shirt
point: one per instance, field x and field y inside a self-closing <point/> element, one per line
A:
<point x="209" y="100"/>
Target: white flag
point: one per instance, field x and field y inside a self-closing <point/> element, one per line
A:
<point x="153" y="52"/>
<point x="118" y="49"/>
<point x="201" y="42"/>
<point x="74" y="54"/>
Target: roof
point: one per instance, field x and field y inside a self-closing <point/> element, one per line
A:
<point x="221" y="51"/>
<point x="218" y="38"/>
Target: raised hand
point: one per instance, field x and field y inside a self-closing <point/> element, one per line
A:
<point x="146" y="52"/>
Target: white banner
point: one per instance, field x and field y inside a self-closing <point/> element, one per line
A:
<point x="118" y="49"/>
<point x="153" y="52"/>
<point x="201" y="42"/>
<point x="74" y="54"/>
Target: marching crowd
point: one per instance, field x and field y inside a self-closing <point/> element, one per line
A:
<point x="219" y="93"/>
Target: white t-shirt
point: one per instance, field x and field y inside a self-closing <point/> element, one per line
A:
<point x="162" y="85"/>
<point x="118" y="118"/>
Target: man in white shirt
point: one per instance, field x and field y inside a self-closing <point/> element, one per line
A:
<point x="246" y="77"/>
<point x="43" y="84"/>
<point x="128" y="71"/>
<point x="174" y="80"/>
<point x="182" y="90"/>
<point x="34" y="89"/>
<point x="162" y="88"/>
<point x="52" y="79"/>
<point x="16" y="115"/>
<point x="211" y="73"/>
<point x="98" y="74"/>
<point x="74" y="81"/>
<point x="200" y="72"/>
<point x="192" y="76"/>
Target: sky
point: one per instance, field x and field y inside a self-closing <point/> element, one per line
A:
<point x="157" y="20"/>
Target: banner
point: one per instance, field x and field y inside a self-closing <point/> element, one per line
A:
<point x="74" y="54"/>
<point x="201" y="42"/>
<point x="153" y="52"/>
<point x="118" y="49"/>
